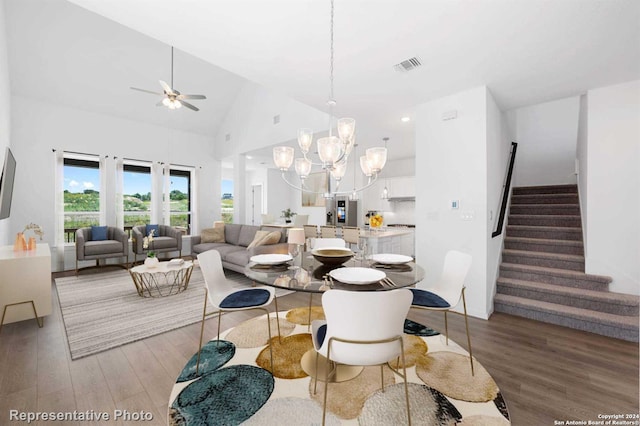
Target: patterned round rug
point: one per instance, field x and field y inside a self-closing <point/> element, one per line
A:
<point x="235" y="385"/>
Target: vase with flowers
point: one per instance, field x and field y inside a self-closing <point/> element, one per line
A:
<point x="21" y="242"/>
<point x="147" y="243"/>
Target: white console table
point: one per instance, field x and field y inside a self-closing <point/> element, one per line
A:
<point x="25" y="283"/>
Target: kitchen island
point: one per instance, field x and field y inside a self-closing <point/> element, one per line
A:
<point x="390" y="240"/>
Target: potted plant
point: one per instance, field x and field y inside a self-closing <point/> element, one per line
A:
<point x="287" y="214"/>
<point x="147" y="244"/>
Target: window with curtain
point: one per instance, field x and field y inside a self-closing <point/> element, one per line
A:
<point x="82" y="184"/>
<point x="226" y="203"/>
<point x="136" y="193"/>
<point x="180" y="213"/>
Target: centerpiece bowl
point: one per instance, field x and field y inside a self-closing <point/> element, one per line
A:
<point x="332" y="255"/>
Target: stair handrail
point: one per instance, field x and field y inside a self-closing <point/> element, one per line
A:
<point x="506" y="188"/>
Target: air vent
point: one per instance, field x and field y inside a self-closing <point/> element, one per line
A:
<point x="408" y="64"/>
<point x="227" y="137"/>
<point x="276" y="119"/>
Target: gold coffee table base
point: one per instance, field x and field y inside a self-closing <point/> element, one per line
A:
<point x="343" y="372"/>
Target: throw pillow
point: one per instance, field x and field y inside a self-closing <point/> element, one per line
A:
<point x="212" y="235"/>
<point x="264" y="238"/>
<point x="98" y="233"/>
<point x="156" y="228"/>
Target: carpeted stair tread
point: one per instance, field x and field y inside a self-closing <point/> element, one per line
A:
<point x="555" y="272"/>
<point x="557" y="232"/>
<point x="545" y="209"/>
<point x="545" y="255"/>
<point x="583" y="319"/>
<point x="544" y="198"/>
<point x="544" y="245"/>
<point x="539" y="258"/>
<point x="546" y="189"/>
<point x="565" y="220"/>
<point x="615" y="303"/>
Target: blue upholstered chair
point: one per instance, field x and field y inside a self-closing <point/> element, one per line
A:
<point x="447" y="292"/>
<point x="362" y="328"/>
<point x="220" y="294"/>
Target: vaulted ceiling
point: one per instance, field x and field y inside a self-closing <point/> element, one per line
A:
<point x="526" y="52"/>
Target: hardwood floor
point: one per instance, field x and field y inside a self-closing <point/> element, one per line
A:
<point x="545" y="372"/>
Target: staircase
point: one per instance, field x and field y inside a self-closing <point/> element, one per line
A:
<point x="542" y="272"/>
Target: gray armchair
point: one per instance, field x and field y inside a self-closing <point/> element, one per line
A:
<point x="115" y="245"/>
<point x="169" y="239"/>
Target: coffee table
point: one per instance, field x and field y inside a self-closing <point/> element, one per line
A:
<point x="164" y="279"/>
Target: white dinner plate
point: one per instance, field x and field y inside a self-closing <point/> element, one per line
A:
<point x="357" y="275"/>
<point x="390" y="259"/>
<point x="270" y="259"/>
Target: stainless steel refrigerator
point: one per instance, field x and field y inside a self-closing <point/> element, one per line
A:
<point x="342" y="212"/>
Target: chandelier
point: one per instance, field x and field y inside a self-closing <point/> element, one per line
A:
<point x="333" y="151"/>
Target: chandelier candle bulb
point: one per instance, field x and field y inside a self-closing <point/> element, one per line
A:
<point x="365" y="165"/>
<point x="305" y="139"/>
<point x="283" y="157"/>
<point x="303" y="167"/>
<point x="377" y="158"/>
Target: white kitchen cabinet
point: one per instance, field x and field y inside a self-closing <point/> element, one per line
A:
<point x="402" y="187"/>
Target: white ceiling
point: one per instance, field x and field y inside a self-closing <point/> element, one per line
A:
<point x="526" y="52"/>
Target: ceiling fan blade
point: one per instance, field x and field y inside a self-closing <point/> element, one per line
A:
<point x="188" y="105"/>
<point x="191" y="97"/>
<point x="146" y="91"/>
<point x="166" y="87"/>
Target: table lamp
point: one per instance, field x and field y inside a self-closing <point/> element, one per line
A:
<point x="295" y="237"/>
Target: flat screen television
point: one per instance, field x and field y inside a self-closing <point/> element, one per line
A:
<point x="6" y="184"/>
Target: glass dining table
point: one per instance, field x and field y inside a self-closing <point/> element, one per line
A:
<point x="312" y="276"/>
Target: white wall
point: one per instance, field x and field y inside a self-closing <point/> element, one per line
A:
<point x="582" y="165"/>
<point x="498" y="150"/>
<point x="453" y="159"/>
<point x="39" y="127"/>
<point x="613" y="183"/>
<point x="5" y="114"/>
<point x="250" y="125"/>
<point x="546" y="135"/>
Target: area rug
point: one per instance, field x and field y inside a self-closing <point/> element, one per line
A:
<point x="103" y="311"/>
<point x="235" y="385"/>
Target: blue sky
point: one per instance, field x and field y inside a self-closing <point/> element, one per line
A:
<point x="77" y="179"/>
<point x="227" y="186"/>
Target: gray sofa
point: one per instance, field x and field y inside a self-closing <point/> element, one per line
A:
<point x="233" y="251"/>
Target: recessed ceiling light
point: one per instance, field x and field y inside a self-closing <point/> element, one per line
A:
<point x="249" y="157"/>
<point x="405" y="119"/>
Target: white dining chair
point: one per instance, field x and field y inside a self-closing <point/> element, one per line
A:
<point x="327" y="242"/>
<point x="446" y="294"/>
<point x="220" y="294"/>
<point x="300" y="220"/>
<point x="362" y="328"/>
<point x="328" y="231"/>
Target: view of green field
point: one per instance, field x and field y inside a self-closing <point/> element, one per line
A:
<point x="83" y="209"/>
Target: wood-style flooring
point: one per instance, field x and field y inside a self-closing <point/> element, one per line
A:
<point x="545" y="372"/>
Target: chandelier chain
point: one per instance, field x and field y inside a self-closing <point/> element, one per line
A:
<point x="331" y="61"/>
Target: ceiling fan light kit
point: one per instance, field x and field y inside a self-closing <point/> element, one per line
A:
<point x="172" y="98"/>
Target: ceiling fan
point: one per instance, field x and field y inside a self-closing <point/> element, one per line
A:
<point x="172" y="99"/>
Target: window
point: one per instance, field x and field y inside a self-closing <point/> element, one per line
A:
<point x="136" y="182"/>
<point x="180" y="199"/>
<point x="227" y="201"/>
<point x="81" y="194"/>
